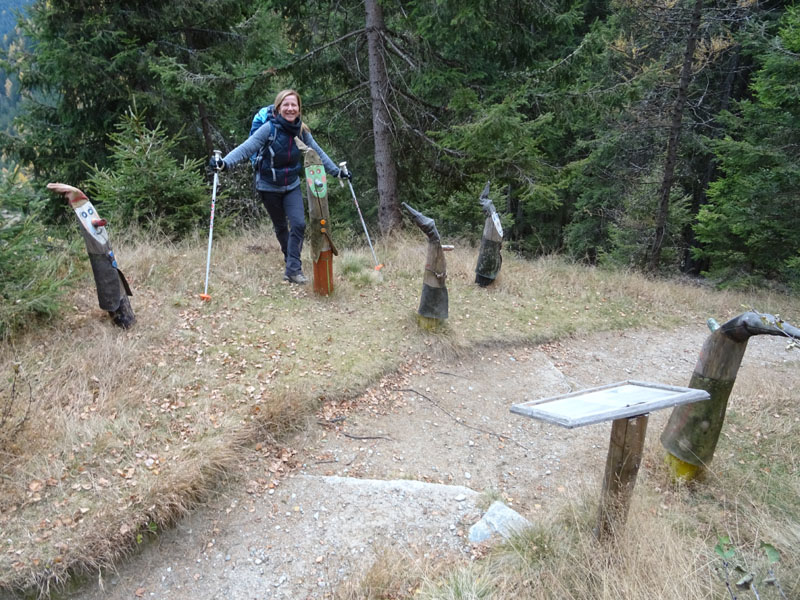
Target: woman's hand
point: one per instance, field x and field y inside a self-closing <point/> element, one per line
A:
<point x="217" y="164"/>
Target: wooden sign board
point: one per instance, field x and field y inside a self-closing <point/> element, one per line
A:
<point x="607" y="403"/>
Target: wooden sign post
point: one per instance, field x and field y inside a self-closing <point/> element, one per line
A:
<point x="627" y="404"/>
<point x="622" y="467"/>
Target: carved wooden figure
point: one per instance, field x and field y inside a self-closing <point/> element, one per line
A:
<point x="320" y="243"/>
<point x="112" y="287"/>
<point x="434" y="302"/>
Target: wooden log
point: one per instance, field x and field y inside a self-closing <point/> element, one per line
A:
<point x="622" y="467"/>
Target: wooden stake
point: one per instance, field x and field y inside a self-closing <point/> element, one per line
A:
<point x="622" y="466"/>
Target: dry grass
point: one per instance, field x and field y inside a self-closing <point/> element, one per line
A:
<point x="665" y="550"/>
<point x="132" y="429"/>
<point x="652" y="557"/>
<point x="393" y="574"/>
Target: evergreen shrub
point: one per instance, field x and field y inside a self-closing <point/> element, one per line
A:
<point x="35" y="267"/>
<point x="147" y="185"/>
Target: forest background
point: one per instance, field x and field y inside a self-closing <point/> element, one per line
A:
<point x="659" y="135"/>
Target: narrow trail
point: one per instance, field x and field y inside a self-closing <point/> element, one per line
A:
<point x="406" y="468"/>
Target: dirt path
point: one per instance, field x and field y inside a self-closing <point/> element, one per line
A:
<point x="362" y="475"/>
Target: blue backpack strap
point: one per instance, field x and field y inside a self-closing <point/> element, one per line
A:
<point x="261" y="117"/>
<point x="268" y="146"/>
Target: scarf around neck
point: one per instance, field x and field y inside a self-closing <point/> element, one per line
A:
<point x="292" y="129"/>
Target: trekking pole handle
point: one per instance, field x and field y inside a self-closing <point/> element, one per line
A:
<point x="216" y="159"/>
<point x="342" y="169"/>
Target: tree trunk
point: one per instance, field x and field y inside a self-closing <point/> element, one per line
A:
<point x="674" y="136"/>
<point x="690" y="264"/>
<point x="389" y="218"/>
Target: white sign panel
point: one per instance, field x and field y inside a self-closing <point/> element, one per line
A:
<point x="608" y="402"/>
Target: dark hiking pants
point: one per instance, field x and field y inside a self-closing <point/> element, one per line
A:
<point x="288" y="220"/>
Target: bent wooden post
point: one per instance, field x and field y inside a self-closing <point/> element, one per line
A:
<point x="434" y="302"/>
<point x="692" y="432"/>
<point x="489" y="256"/>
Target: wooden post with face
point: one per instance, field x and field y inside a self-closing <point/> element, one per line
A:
<point x="322" y="248"/>
<point x="622" y="466"/>
<point x="112" y="286"/>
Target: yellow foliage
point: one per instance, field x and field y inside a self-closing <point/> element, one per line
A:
<point x="708" y="50"/>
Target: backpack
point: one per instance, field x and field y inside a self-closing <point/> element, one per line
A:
<point x="263" y="116"/>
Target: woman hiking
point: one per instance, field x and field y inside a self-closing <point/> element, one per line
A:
<point x="278" y="169"/>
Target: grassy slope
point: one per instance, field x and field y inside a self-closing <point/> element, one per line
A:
<point x="130" y="429"/>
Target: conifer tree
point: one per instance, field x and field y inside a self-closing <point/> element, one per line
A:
<point x="750" y="228"/>
<point x="146" y="184"/>
<point x="647" y="171"/>
<point x="87" y="62"/>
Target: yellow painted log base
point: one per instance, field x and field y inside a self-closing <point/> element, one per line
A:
<point x="680" y="470"/>
<point x="429" y="323"/>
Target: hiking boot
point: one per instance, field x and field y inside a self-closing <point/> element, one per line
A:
<point x="298" y="278"/>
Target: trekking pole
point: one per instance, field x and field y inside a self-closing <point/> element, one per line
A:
<point x="204" y="296"/>
<point x="343" y="167"/>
